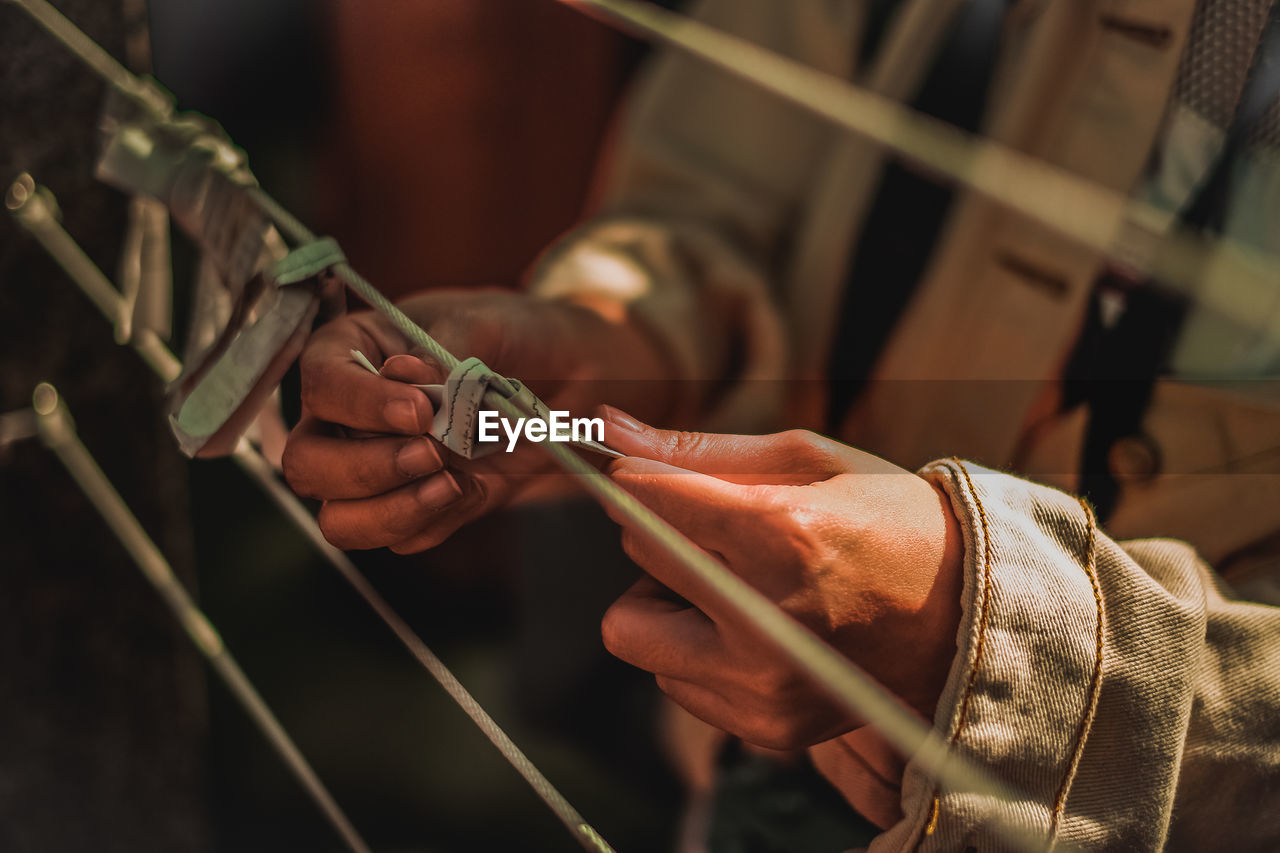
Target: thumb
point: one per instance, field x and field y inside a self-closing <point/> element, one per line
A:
<point x="795" y="457"/>
<point x="411" y="369"/>
<point x="723" y="518"/>
<point x="702" y="507"/>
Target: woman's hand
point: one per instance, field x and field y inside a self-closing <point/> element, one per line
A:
<point x="865" y="554"/>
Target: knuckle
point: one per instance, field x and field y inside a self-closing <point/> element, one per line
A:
<point x="333" y="531"/>
<point x="772" y="682"/>
<point x="800" y="523"/>
<point x="633" y="546"/>
<point x="312" y="371"/>
<point x="307" y="384"/>
<point x="806" y="446"/>
<point x="368" y="474"/>
<point x="438" y="535"/>
<point x="795" y="519"/>
<point x="415" y="545"/>
<point x="418" y="536"/>
<point x="400" y="528"/>
<point x="611" y="631"/>
<point x="776" y="508"/>
<point x="293" y="466"/>
<point x="772" y="731"/>
<point x="480" y="493"/>
<point x="682" y="444"/>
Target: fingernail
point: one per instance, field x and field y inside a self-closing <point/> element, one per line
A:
<point x="407" y="368"/>
<point x="395" y="361"/>
<point x="621" y="419"/>
<point x="402" y="415"/>
<point x="418" y="458"/>
<point x="440" y="490"/>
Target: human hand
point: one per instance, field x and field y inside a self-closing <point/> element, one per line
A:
<point x="865" y="554"/>
<point x="361" y="446"/>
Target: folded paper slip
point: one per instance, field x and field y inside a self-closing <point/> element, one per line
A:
<point x="458" y="404"/>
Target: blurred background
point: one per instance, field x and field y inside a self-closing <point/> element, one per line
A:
<point x="443" y="143"/>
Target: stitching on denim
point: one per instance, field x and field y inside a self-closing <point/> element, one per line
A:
<point x="1095" y="684"/>
<point x="984" y="611"/>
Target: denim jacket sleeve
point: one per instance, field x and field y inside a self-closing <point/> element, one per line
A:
<point x="1120" y="687"/>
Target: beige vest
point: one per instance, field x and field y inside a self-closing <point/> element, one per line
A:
<point x="1083" y="85"/>
<point x="1084" y="88"/>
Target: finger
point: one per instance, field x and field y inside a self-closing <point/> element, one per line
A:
<point x="657" y="561"/>
<point x="411" y="369"/>
<point x="796" y="457"/>
<point x="475" y="502"/>
<point x="487" y="484"/>
<point x="389" y="518"/>
<point x="754" y="718"/>
<point x="653" y="629"/>
<point x="438" y="529"/>
<point x="699" y="700"/>
<point x="714" y="513"/>
<point x="318" y="464"/>
<point x="338" y="390"/>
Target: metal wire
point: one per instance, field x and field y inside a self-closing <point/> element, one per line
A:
<point x="850" y="685"/>
<point x="293" y="228"/>
<point x="264" y="475"/>
<point x="58" y="433"/>
<point x="859" y="693"/>
<point x="93" y="55"/>
<point x="847" y="683"/>
<point x="32" y="206"/>
<point x="1224" y="276"/>
<point x="36" y="211"/>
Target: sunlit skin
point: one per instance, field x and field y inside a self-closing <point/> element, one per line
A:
<point x="864" y="553"/>
<point x="380" y="479"/>
<point x="867" y="555"/>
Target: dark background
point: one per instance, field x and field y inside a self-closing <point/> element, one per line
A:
<point x="444" y="144"/>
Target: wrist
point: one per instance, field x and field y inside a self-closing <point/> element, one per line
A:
<point x="940" y="611"/>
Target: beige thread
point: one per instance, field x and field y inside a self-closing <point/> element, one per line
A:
<point x="1095" y="685"/>
<point x="983" y="614"/>
<point x="984" y="608"/>
<point x="933" y="816"/>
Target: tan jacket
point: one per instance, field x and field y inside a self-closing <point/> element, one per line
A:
<point x="728" y="222"/>
<point x="1119" y="686"/>
<point x="729" y="217"/>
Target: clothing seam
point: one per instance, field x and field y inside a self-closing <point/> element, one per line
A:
<point x="984" y="610"/>
<point x="1095" y="683"/>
